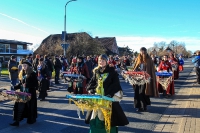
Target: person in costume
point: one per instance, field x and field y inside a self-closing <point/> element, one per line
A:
<point x="72" y="85"/>
<point x="29" y="84"/>
<point x="13" y="70"/>
<point x="166" y="66"/>
<point x="78" y="87"/>
<point x="143" y="92"/>
<point x="126" y="61"/>
<point x="174" y="62"/>
<point x="43" y="76"/>
<point x="196" y="61"/>
<point x="181" y="63"/>
<point x="111" y="62"/>
<point x="155" y="61"/>
<point x="89" y="65"/>
<point x="105" y="82"/>
<point x="57" y="66"/>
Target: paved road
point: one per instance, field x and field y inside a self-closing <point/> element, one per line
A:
<point x="57" y="115"/>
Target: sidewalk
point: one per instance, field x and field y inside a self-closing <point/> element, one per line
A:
<point x="183" y="114"/>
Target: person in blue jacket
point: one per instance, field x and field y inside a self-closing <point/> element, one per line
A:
<point x="181" y="63"/>
<point x="196" y="62"/>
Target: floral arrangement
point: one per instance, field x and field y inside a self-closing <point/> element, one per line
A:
<point x="136" y="78"/>
<point x="16" y="96"/>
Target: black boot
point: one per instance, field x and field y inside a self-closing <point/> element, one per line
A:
<point x="16" y="123"/>
<point x="19" y="114"/>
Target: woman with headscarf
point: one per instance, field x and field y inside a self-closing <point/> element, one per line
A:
<point x="143" y="92"/>
<point x="110" y="87"/>
<point x="166" y="66"/>
<point x="29" y="84"/>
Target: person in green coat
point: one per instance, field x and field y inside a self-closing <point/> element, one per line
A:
<point x="111" y="88"/>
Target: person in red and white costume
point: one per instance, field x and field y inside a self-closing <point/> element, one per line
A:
<point x="165" y="65"/>
<point x="174" y="62"/>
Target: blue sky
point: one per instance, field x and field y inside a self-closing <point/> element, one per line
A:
<point x="134" y="23"/>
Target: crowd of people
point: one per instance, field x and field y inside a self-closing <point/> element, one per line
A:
<point x="36" y="74"/>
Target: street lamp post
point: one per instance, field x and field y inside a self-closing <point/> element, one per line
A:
<point x="65" y="26"/>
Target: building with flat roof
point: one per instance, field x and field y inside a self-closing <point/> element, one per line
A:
<point x="13" y="47"/>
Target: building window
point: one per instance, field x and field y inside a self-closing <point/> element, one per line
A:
<point x="19" y="47"/>
<point x="4" y="48"/>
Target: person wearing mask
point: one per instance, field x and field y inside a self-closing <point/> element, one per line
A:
<point x="143" y="92"/>
<point x="166" y="66"/>
<point x="43" y="76"/>
<point x="28" y="83"/>
<point x="57" y="66"/>
<point x="196" y="61"/>
<point x="13" y="71"/>
<point x="110" y="87"/>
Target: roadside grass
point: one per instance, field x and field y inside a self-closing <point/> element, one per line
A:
<point x="4" y="71"/>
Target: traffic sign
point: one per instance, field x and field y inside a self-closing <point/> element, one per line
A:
<point x="65" y="46"/>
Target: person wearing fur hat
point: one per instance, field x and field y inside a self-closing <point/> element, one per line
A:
<point x="110" y="87"/>
<point x="28" y="83"/>
<point x="143" y="92"/>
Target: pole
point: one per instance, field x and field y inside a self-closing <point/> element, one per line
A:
<point x="65" y="27"/>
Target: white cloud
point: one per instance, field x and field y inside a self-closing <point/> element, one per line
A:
<point x="23" y="23"/>
<point x="136" y="42"/>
